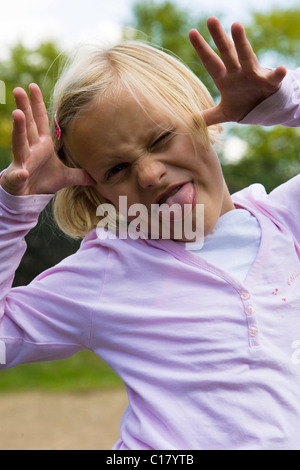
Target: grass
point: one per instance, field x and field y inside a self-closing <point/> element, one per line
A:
<point x="83" y="372"/>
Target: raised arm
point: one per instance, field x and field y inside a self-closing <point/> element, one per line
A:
<point x="29" y="316"/>
<point x="36" y="169"/>
<point x="242" y="82"/>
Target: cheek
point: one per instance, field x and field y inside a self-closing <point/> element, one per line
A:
<point x="107" y="196"/>
<point x="193" y="153"/>
<point x="121" y="198"/>
<point x="210" y="165"/>
<point x="184" y="151"/>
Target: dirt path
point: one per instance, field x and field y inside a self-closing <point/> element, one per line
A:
<point x="61" y="421"/>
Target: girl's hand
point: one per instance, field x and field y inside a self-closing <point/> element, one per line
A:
<point x="242" y="82"/>
<point x="36" y="169"/>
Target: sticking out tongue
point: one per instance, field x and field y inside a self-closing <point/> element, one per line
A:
<point x="181" y="197"/>
<point x="184" y="195"/>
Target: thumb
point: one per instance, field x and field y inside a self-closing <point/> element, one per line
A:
<point x="214" y="116"/>
<point x="14" y="179"/>
<point x="277" y="75"/>
<point x="78" y="177"/>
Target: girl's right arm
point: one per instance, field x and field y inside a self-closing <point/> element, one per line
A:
<point x="37" y="322"/>
<point x="50" y="318"/>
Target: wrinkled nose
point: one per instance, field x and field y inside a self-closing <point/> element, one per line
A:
<point x="151" y="173"/>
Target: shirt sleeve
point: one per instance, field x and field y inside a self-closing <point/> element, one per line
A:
<point x="282" y="205"/>
<point x="283" y="107"/>
<point x="286" y="202"/>
<point x="51" y="317"/>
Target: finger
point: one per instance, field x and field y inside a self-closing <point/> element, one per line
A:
<point x="224" y="44"/>
<point x="210" y="60"/>
<point x="23" y="104"/>
<point x="39" y="109"/>
<point x="246" y="56"/>
<point x="20" y="147"/>
<point x="78" y="177"/>
<point x="12" y="183"/>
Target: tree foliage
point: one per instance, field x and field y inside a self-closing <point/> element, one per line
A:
<point x="166" y="25"/>
<point x="276" y="34"/>
<point x="271" y="159"/>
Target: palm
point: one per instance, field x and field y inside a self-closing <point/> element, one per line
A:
<point x="242" y="82"/>
<point x="36" y="169"/>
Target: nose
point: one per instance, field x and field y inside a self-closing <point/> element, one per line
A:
<point x="150" y="172"/>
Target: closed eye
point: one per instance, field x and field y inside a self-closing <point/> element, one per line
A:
<point x="162" y="139"/>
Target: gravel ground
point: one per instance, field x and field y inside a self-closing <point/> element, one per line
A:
<point x="61" y="421"/>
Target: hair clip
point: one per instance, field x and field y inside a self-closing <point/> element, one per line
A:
<point x="57" y="128"/>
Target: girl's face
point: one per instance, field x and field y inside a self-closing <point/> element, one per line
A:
<point x="148" y="158"/>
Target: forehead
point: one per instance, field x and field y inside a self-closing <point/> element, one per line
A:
<point x="114" y="122"/>
<point x="120" y="117"/>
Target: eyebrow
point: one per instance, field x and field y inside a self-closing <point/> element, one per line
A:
<point x="111" y="159"/>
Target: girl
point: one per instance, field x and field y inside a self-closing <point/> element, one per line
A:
<point x="204" y="342"/>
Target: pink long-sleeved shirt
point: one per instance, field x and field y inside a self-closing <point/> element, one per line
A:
<point x="208" y="362"/>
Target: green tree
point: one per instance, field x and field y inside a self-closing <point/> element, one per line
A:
<point x="276" y="35"/>
<point x="271" y="159"/>
<point x="167" y="25"/>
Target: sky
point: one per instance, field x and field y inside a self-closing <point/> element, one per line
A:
<point x="69" y="22"/>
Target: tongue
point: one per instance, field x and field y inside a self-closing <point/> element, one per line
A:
<point x="185" y="195"/>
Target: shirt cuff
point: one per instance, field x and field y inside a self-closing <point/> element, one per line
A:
<point x="265" y="113"/>
<point x="30" y="204"/>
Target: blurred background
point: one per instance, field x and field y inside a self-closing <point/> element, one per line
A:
<point x="37" y="35"/>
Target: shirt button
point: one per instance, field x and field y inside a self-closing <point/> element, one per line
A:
<point x="253" y="331"/>
<point x="249" y="310"/>
<point x="245" y="295"/>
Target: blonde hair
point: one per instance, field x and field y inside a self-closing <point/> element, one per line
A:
<point x="144" y="71"/>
